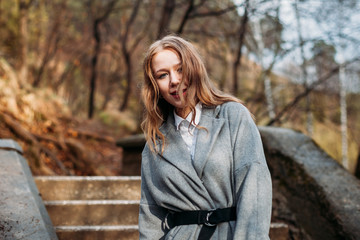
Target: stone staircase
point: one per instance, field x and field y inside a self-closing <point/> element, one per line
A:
<point x="92" y="207"/>
<point x="89" y="208"/>
<point x="107" y="207"/>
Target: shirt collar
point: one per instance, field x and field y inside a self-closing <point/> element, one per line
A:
<point x="178" y="119"/>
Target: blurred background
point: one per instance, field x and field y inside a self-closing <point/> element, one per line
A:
<point x="71" y="71"/>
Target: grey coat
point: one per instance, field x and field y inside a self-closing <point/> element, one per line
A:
<point x="229" y="169"/>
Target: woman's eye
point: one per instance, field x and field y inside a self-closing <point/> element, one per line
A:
<point x="179" y="70"/>
<point x="161" y="76"/>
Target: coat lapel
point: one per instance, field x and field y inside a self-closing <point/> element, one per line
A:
<point x="207" y="138"/>
<point x="176" y="151"/>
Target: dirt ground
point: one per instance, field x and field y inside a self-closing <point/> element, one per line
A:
<point x="66" y="146"/>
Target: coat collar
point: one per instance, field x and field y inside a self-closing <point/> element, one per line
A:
<point x="176" y="151"/>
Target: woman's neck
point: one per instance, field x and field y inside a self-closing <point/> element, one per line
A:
<point x="183" y="112"/>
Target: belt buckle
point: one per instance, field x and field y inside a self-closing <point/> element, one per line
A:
<point x="166" y="223"/>
<point x="207" y="221"/>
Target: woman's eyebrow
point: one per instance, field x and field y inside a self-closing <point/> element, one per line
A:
<point x="160" y="70"/>
<point x="165" y="69"/>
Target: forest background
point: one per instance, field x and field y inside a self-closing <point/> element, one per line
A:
<point x="71" y="71"/>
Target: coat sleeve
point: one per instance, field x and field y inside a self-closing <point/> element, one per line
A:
<point x="252" y="181"/>
<point x="151" y="215"/>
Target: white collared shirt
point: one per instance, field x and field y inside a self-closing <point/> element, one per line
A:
<point x="189" y="133"/>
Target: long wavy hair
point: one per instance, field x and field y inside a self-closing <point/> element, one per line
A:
<point x="199" y="88"/>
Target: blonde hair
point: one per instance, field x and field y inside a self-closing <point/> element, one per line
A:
<point x="200" y="88"/>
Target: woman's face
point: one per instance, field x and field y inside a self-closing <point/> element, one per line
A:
<point x="167" y="69"/>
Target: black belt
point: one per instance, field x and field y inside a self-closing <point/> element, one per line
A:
<point x="207" y="218"/>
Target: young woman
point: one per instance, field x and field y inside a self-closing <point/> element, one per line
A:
<point x="204" y="174"/>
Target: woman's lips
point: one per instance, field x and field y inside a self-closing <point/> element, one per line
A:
<point x="176" y="96"/>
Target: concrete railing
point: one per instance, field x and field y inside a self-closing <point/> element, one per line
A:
<point x="324" y="197"/>
<point x="22" y="212"/>
<point x="132" y="147"/>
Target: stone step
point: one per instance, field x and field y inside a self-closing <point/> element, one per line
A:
<point x="97" y="232"/>
<point x="54" y="188"/>
<point x="101" y="207"/>
<point x="93" y="212"/>
<point x="278" y="231"/>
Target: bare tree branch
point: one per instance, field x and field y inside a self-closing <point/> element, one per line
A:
<point x="306" y="91"/>
<point x="214" y="13"/>
<point x="189" y="9"/>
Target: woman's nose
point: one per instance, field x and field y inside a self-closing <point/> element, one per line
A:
<point x="175" y="78"/>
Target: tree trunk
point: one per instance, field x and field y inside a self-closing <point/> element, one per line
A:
<point x="343" y="117"/>
<point x="167" y="13"/>
<point x="52" y="44"/>
<point x="309" y="119"/>
<point x="127" y="55"/>
<point x="343" y="105"/>
<point x="264" y="75"/>
<point x="93" y="68"/>
<point x="23" y="41"/>
<point x="128" y="81"/>
<point x="97" y="36"/>
<point x="237" y="62"/>
<point x="269" y="97"/>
